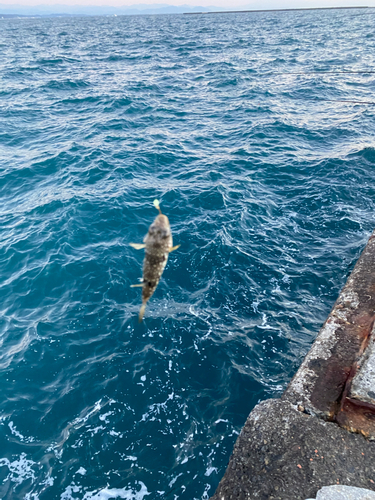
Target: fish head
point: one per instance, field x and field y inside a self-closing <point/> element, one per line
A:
<point x="160" y="228"/>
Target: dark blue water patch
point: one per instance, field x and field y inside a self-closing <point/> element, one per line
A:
<point x="80" y="104"/>
<point x="61" y="59"/>
<point x="67" y="85"/>
<point x="367" y="154"/>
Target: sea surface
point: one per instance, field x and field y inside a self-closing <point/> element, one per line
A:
<point x="256" y="133"/>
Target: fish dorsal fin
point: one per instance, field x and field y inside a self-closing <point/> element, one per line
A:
<point x="157" y="205"/>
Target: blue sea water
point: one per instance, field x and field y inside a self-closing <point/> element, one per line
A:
<point x="256" y="133"/>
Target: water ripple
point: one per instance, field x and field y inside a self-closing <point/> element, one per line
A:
<point x="266" y="171"/>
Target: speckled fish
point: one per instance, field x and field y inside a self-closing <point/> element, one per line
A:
<point x="158" y="244"/>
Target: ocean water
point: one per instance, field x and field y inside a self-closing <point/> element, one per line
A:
<point x="256" y="133"/>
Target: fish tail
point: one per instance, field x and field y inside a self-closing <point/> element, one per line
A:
<point x="142" y="312"/>
<point x="157" y="206"/>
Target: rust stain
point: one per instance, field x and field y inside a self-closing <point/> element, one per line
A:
<point x="352" y="414"/>
<point x="357" y="416"/>
<point x="363" y="323"/>
<point x="335" y="374"/>
<point x="326" y="376"/>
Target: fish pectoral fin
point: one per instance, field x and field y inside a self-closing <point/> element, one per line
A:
<point x="137" y="246"/>
<point x="139" y="284"/>
<point x="174" y="248"/>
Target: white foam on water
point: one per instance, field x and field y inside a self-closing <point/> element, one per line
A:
<point x="210" y="470"/>
<point x="174" y="480"/>
<point x="205" y="495"/>
<point x="77" y="444"/>
<point x="31" y="496"/>
<point x="14" y="431"/>
<point x="221" y="420"/>
<point x="106" y="493"/>
<point x="48" y="481"/>
<point x="115" y="434"/>
<point x="255" y="305"/>
<point x="68" y="493"/>
<point x="95" y="430"/>
<point x="157" y="409"/>
<point x="83" y="419"/>
<point x="104" y="416"/>
<point x="19" y="470"/>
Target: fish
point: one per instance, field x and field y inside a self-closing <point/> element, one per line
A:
<point x="158" y="244"/>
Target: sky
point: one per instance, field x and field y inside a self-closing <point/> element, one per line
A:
<point x="222" y="4"/>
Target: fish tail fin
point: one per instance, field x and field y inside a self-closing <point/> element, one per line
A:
<point x="157" y="205"/>
<point x="142" y="312"/>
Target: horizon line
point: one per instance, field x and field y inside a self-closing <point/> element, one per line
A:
<point x="123" y="10"/>
<point x="275" y="10"/>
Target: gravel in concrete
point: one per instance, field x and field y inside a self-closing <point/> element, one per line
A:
<point x="292" y="448"/>
<point x="285" y="454"/>
<point x="363" y="385"/>
<point x="323" y="380"/>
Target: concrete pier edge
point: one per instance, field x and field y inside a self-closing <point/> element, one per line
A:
<point x="321" y="432"/>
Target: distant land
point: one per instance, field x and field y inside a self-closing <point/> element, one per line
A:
<point x="84" y="10"/>
<point x="278" y="10"/>
<point x="60" y="10"/>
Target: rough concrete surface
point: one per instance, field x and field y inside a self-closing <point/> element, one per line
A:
<point x="363" y="385"/>
<point x="285" y="454"/>
<point x="291" y="448"/>
<point x="323" y="380"/>
<point x="344" y="493"/>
